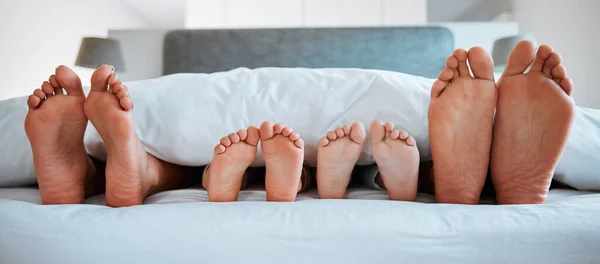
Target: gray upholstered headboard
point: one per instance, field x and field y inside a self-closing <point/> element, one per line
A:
<point x="415" y="50"/>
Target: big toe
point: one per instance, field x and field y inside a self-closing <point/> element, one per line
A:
<point x="100" y="78"/>
<point x="358" y="133"/>
<point x="69" y="80"/>
<point x="519" y="58"/>
<point x="377" y="131"/>
<point x="481" y="63"/>
<point x="266" y="130"/>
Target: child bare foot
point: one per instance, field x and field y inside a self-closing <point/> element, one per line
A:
<point x="232" y="157"/>
<point x="55" y="126"/>
<point x="131" y="173"/>
<point x="461" y="113"/>
<point x="397" y="158"/>
<point x="336" y="157"/>
<point x="284" y="154"/>
<point x="533" y="118"/>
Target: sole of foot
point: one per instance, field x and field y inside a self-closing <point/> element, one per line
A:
<point x="283" y="151"/>
<point x="337" y="155"/>
<point x="397" y="158"/>
<point x="461" y="115"/>
<point x="232" y="156"/>
<point x="55" y="126"/>
<point x="130" y="171"/>
<point x="533" y="118"/>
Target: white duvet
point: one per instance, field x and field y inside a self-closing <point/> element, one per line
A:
<point x="180" y="118"/>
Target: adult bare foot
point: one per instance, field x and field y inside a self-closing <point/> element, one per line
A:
<point x="533" y="118"/>
<point x="131" y="173"/>
<point x="397" y="158"/>
<point x="233" y="155"/>
<point x="284" y="154"/>
<point x="336" y="157"/>
<point x="460" y="126"/>
<point x="55" y="126"/>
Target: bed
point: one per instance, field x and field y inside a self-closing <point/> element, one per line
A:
<point x="180" y="226"/>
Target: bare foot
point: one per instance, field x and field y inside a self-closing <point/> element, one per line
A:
<point x="55" y="126"/>
<point x="131" y="173"/>
<point x="233" y="155"/>
<point x="460" y="126"/>
<point x="284" y="154"/>
<point x="533" y="118"/>
<point x="397" y="159"/>
<point x="336" y="157"/>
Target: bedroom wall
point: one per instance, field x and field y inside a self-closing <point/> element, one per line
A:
<point x="303" y="13"/>
<point x="572" y="29"/>
<point x="36" y="36"/>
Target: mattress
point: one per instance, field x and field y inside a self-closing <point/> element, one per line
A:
<point x="182" y="227"/>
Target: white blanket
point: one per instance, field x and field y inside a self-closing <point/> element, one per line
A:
<point x="180" y="118"/>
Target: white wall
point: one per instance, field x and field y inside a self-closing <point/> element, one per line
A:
<point x="303" y="13"/>
<point x="36" y="36"/>
<point x="571" y="27"/>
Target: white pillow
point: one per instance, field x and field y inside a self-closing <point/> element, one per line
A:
<point x="579" y="166"/>
<point x="16" y="159"/>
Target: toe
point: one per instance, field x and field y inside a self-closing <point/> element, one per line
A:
<point x="48" y="89"/>
<point x="219" y="149"/>
<point x="113" y="80"/>
<point x="294" y="136"/>
<point x="126" y="103"/>
<point x="323" y="142"/>
<point x="389" y="126"/>
<point x="376" y="132"/>
<point x="411" y="141"/>
<point x="559" y="72"/>
<point x="437" y="88"/>
<point x="461" y="55"/>
<point x="53" y="81"/>
<point x="395" y="133"/>
<point x="266" y="130"/>
<point x="122" y="94"/>
<point x="33" y="101"/>
<point x="243" y="134"/>
<point x="39" y="93"/>
<point x="347" y="128"/>
<point x="234" y="138"/>
<point x="225" y="141"/>
<point x="452" y="64"/>
<point x="403" y="135"/>
<point x="339" y="132"/>
<point x="567" y="85"/>
<point x="552" y="61"/>
<point x="100" y="77"/>
<point x="287" y="131"/>
<point x="481" y="63"/>
<point x="446" y="75"/>
<point x="278" y="128"/>
<point x="331" y="135"/>
<point x="118" y="87"/>
<point x="69" y="80"/>
<point x="253" y="135"/>
<point x="519" y="58"/>
<point x="299" y="143"/>
<point x="543" y="53"/>
<point x="358" y="133"/>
